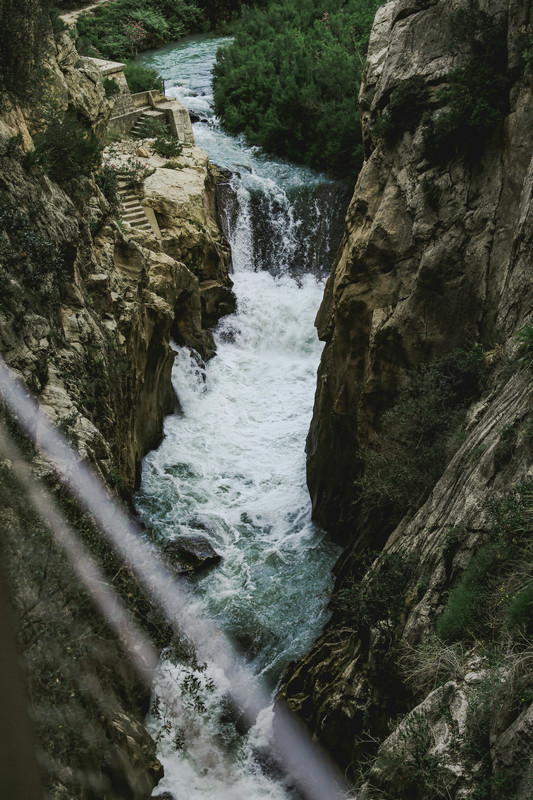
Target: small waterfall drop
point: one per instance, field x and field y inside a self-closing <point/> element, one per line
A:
<point x="232" y="464"/>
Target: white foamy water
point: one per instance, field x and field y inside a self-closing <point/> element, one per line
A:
<point x="231" y="467"/>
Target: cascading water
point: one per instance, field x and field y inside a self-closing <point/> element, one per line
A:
<point x="232" y="466"/>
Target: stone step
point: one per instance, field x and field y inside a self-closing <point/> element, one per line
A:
<point x="137" y="129"/>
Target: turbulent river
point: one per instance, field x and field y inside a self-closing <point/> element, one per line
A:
<point x="232" y="464"/>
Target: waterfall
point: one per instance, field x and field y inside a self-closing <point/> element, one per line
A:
<point x="232" y="463"/>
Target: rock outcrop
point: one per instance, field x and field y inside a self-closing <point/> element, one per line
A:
<point x="435" y="257"/>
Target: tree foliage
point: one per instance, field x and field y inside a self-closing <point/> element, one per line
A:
<point x="141" y="78"/>
<point x="123" y="28"/>
<point x="23" y="28"/>
<point x="65" y="148"/>
<point x="291" y="77"/>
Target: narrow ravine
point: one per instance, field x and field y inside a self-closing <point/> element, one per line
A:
<point x="232" y="464"/>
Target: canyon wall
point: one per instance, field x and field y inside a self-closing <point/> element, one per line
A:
<point x="435" y="265"/>
<point x="87" y="311"/>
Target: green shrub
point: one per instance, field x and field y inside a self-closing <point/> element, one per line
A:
<point x="291" y="78"/>
<point x="521" y="609"/>
<point x="57" y="23"/>
<point x="65" y="148"/>
<point x="486" y="580"/>
<point x="472" y="105"/>
<point x="107" y="180"/>
<point x="525" y="339"/>
<point x="153" y="22"/>
<point x="143" y="79"/>
<point x="461" y="618"/>
<point x="110" y="87"/>
<point x="152" y="127"/>
<point x="404" y="110"/>
<point x="167" y="146"/>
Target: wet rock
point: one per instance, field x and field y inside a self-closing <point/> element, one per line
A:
<point x="164" y="796"/>
<point x="190" y="554"/>
<point x="194" y="117"/>
<point x="216" y="299"/>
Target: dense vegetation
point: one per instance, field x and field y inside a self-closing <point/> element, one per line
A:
<point x="121" y="29"/>
<point x="23" y="28"/>
<point x="65" y="147"/>
<point x="290" y="80"/>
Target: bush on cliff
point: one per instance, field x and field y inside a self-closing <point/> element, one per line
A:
<point x="65" y="148"/>
<point x="290" y="80"/>
<point x="141" y="78"/>
<point x="475" y="98"/>
<point x="498" y="579"/>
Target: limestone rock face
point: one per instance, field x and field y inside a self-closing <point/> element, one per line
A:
<point x="182" y="195"/>
<point x="433" y="258"/>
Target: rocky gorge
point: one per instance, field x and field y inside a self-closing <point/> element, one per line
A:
<point x="419" y="451"/>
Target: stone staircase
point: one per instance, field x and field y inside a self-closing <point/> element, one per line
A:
<point x="132" y="211"/>
<point x="148" y="116"/>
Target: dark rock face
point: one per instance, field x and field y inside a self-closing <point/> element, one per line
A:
<point x="190" y="554"/>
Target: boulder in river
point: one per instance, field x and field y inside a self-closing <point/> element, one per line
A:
<point x="190" y="554"/>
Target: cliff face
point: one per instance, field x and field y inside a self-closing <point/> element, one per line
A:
<point x="87" y="309"/>
<point x="101" y="363"/>
<point x="435" y="257"/>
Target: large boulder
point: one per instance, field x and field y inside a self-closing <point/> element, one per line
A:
<point x="190" y="554"/>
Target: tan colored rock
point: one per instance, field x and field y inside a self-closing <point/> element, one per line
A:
<point x="179" y="194"/>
